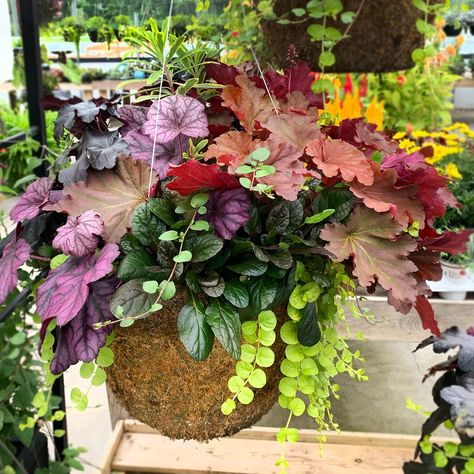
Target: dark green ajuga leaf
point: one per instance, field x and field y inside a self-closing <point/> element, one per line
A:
<point x="134" y="265"/>
<point x="219" y="260"/>
<point x="194" y="331"/>
<point x="163" y="209"/>
<point x="260" y="253"/>
<point x="250" y="267"/>
<point x="205" y="247"/>
<point x="296" y="210"/>
<point x="146" y="227"/>
<point x="309" y="332"/>
<point x="225" y="324"/>
<point x="278" y="219"/>
<point x="165" y="251"/>
<point x="276" y="272"/>
<point x="132" y="298"/>
<point x="192" y="281"/>
<point x="237" y="293"/>
<point x="340" y="199"/>
<point x="281" y="258"/>
<point x="262" y="293"/>
<point x="254" y="224"/>
<point x="212" y="284"/>
<point x="129" y="243"/>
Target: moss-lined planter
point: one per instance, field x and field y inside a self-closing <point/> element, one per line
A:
<point x="382" y="37"/>
<point x="159" y="384"/>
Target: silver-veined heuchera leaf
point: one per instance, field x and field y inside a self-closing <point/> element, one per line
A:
<point x="15" y="254"/>
<point x="133" y="117"/>
<point x="174" y="115"/>
<point x="30" y="202"/>
<point x="80" y="235"/>
<point x="78" y="340"/>
<point x="227" y="211"/>
<point x="380" y="254"/>
<point x="66" y="288"/>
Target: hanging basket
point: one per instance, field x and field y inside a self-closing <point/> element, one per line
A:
<point x="159" y="384"/>
<point x="382" y="37"/>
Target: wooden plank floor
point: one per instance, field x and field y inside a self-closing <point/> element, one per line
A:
<point x="137" y="448"/>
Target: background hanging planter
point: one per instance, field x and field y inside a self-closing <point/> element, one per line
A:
<point x="159" y="384"/>
<point x="382" y="37"/>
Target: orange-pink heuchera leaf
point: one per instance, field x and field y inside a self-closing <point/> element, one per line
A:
<point x="379" y="252"/>
<point x="231" y="149"/>
<point x="290" y="172"/>
<point x="299" y="130"/>
<point x="383" y="196"/>
<point x="248" y="102"/>
<point x="113" y="194"/>
<point x="336" y="156"/>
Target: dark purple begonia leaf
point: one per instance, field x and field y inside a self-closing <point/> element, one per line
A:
<point x="133" y="117"/>
<point x="227" y="211"/>
<point x="66" y="288"/>
<point x="78" y="340"/>
<point x="174" y="115"/>
<point x="15" y="254"/>
<point x="80" y="235"/>
<point x="29" y="205"/>
<point x="140" y="147"/>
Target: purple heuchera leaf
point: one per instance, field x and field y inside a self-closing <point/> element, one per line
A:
<point x="37" y="194"/>
<point x="140" y="147"/>
<point x="227" y="211"/>
<point x="15" y="254"/>
<point x="176" y="115"/>
<point x="78" y="340"/>
<point x="79" y="236"/>
<point x="66" y="288"/>
<point x="133" y="117"/>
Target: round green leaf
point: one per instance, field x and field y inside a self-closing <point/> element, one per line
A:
<point x="245" y="396"/>
<point x="235" y="383"/>
<point x="150" y="286"/>
<point x="267" y="320"/>
<point x="243" y="369"/>
<point x="228" y="407"/>
<point x="309" y="367"/>
<point x="99" y="377"/>
<point x="294" y="353"/>
<point x="183" y="256"/>
<point x="288" y="386"/>
<point x="266" y="338"/>
<point x="265" y="357"/>
<point x="327" y="59"/>
<point x="169" y="235"/>
<point x="105" y="357"/>
<point x="288" y="333"/>
<point x="248" y="353"/>
<point x="297" y="406"/>
<point x="249" y="327"/>
<point x="257" y="378"/>
<point x="86" y="370"/>
<point x="306" y="384"/>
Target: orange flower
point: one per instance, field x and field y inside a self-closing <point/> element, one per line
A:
<point x="235" y="34"/>
<point x="401" y="79"/>
<point x="409" y="128"/>
<point x="441" y="35"/>
<point x="451" y="50"/>
<point x="459" y="40"/>
<point x="440" y="23"/>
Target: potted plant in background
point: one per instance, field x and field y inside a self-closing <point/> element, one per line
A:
<point x="121" y="25"/>
<point x="467" y="21"/>
<point x="453" y="26"/>
<point x="72" y="30"/>
<point x="94" y="26"/>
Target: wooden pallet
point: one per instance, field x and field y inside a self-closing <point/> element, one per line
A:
<point x="135" y="447"/>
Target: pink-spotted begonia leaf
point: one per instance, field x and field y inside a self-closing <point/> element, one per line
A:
<point x="174" y="115"/>
<point x="80" y="235"/>
<point x="31" y="201"/>
<point x="140" y="147"/>
<point x="334" y="157"/>
<point x="15" y="254"/>
<point x="66" y="288"/>
<point x="78" y="340"/>
<point x="290" y="172"/>
<point x="194" y="176"/>
<point x="227" y="211"/>
<point x="133" y="117"/>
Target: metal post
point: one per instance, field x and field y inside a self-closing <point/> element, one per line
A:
<point x="28" y="15"/>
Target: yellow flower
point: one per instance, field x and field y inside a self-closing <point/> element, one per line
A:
<point x="452" y="171"/>
<point x="406" y="144"/>
<point x="399" y="135"/>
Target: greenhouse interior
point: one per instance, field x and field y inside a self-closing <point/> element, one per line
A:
<point x="237" y="225"/>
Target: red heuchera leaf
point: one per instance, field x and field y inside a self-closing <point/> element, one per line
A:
<point x="227" y="211"/>
<point x="133" y="117"/>
<point x="250" y="104"/>
<point x="141" y="148"/>
<point x="296" y="78"/>
<point x="32" y="200"/>
<point x="378" y="252"/>
<point x="290" y="172"/>
<point x="80" y="235"/>
<point x="232" y="149"/>
<point x="299" y="130"/>
<point x="66" y="288"/>
<point x="336" y="156"/>
<point x="453" y="243"/>
<point x="296" y="102"/>
<point x="78" y="340"/>
<point x="432" y="187"/>
<point x="363" y="136"/>
<point x="15" y="254"/>
<point x="427" y="315"/>
<point x="428" y="264"/>
<point x="175" y="115"/>
<point x="384" y="196"/>
<point x="113" y="194"/>
<point x="222" y="73"/>
<point x="194" y="176"/>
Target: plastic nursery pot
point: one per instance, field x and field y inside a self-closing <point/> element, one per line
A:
<point x="451" y="30"/>
<point x="455" y="273"/>
<point x="382" y="37"/>
<point x="93" y="35"/>
<point x="159" y="384"/>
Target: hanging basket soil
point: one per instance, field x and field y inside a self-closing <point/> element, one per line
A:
<point x="382" y="37"/>
<point x="159" y="384"/>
